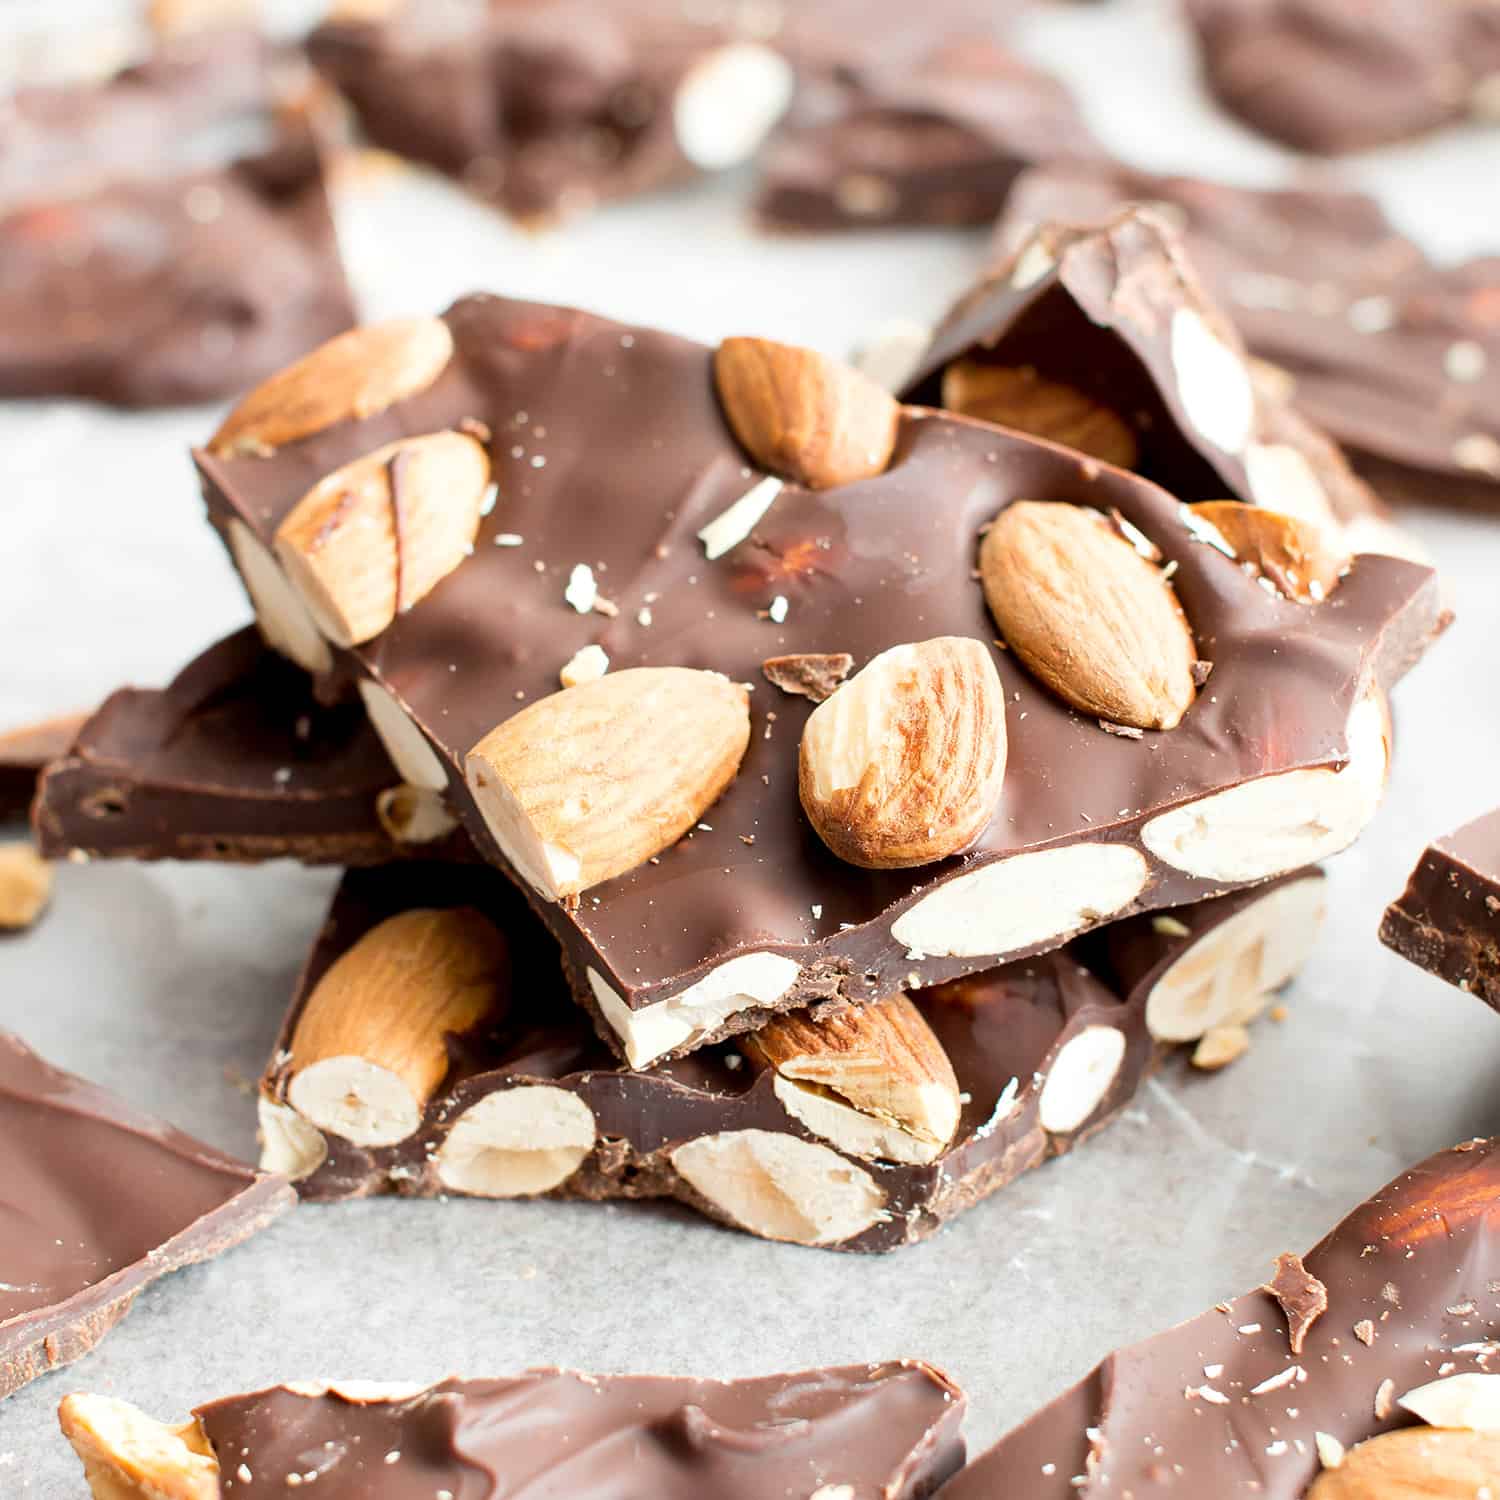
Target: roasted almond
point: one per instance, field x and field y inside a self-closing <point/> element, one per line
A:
<point x="803" y="415"/>
<point x="874" y="1080"/>
<point x="904" y="764"/>
<point x="1301" y="559"/>
<point x="375" y="537"/>
<point x="353" y="376"/>
<point x="1414" y="1463"/>
<point x="129" y="1456"/>
<point x="1088" y="614"/>
<point x="594" y="780"/>
<point x="25" y="885"/>
<point x="1016" y="396"/>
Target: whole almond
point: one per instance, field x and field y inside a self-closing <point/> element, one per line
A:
<point x="803" y="415"/>
<point x="1414" y="1463"/>
<point x="1300" y="558"/>
<point x="1016" y="396"/>
<point x="353" y="376"/>
<point x="373" y="538"/>
<point x="1088" y="614"/>
<point x="905" y="763"/>
<point x="594" y="780"/>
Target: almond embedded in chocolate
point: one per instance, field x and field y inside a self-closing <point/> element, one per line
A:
<point x="1301" y="559"/>
<point x="1414" y="1463"/>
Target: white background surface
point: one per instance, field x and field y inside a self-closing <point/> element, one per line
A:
<point x="167" y="983"/>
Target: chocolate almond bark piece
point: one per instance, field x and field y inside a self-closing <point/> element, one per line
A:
<point x="611" y="453"/>
<point x="25" y="752"/>
<point x="1258" y="1396"/>
<point x="1396" y="357"/>
<point x="1447" y="921"/>
<point x="98" y="1201"/>
<point x="235" y="760"/>
<point x="865" y="1131"/>
<point x="855" y="1432"/>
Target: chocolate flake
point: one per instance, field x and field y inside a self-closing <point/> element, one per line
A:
<point x="812" y="674"/>
<point x="1303" y="1298"/>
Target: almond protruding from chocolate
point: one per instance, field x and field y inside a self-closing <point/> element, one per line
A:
<point x="1301" y="559"/>
<point x="1414" y="1463"/>
<point x="1088" y="615"/>
<point x="356" y="375"/>
<point x="905" y="763"/>
<point x="373" y="538"/>
<point x="371" y="1045"/>
<point x="129" y="1456"/>
<point x="874" y="1080"/>
<point x="1015" y="396"/>
<point x="803" y="415"/>
<point x="594" y="780"/>
<point x="25" y="885"/>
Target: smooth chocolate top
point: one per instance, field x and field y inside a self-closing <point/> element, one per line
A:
<point x="1221" y="1405"/>
<point x="863" y="1432"/>
<point x="610" y="450"/>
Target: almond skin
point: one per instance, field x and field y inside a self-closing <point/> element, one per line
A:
<point x="1301" y="559"/>
<point x="905" y="763"/>
<point x="1088" y="615"/>
<point x="353" y="376"/>
<point x="1016" y="396"/>
<point x="803" y="415"/>
<point x="1414" y="1463"/>
<point x="378" y="535"/>
<point x="594" y="780"/>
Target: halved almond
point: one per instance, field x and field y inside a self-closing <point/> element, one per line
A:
<point x="1414" y="1463"/>
<point x="803" y="415"/>
<point x="1300" y="558"/>
<point x="594" y="780"/>
<point x="375" y="537"/>
<point x="905" y="763"/>
<point x="1088" y="614"/>
<point x="353" y="376"/>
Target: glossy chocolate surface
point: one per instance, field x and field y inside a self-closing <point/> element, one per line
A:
<point x="1190" y="1411"/>
<point x="1397" y="358"/>
<point x="1447" y="921"/>
<point x="610" y="450"/>
<point x="863" y="1432"/>
<point x="95" y="1202"/>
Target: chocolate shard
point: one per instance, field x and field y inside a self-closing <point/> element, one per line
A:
<point x="856" y="1430"/>
<point x="1324" y="76"/>
<point x="1303" y="1298"/>
<point x="940" y="143"/>
<point x="236" y="760"/>
<point x="25" y="752"/>
<point x="127" y="1199"/>
<point x="1398" y="358"/>
<point x="1222" y="1403"/>
<point x="1447" y="921"/>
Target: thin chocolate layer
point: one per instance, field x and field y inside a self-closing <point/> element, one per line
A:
<point x="97" y="1201"/>
<point x="613" y="434"/>
<point x="236" y="760"/>
<point x="1333" y="76"/>
<point x="1225" y="1406"/>
<point x="1448" y="919"/>
<point x="25" y="753"/>
<point x="1398" y="358"/>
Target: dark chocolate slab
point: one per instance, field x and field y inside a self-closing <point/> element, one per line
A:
<point x="97" y="1201"/>
<point x="1447" y="921"/>
<point x="1224" y="1406"/>
<point x="24" y="754"/>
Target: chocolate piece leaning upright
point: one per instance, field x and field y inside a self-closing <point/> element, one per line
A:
<point x="857" y="1432"/>
<point x="1396" y="357"/>
<point x="845" y="524"/>
<point x="1447" y="921"/>
<point x="77" y="1247"/>
<point x="1311" y="1388"/>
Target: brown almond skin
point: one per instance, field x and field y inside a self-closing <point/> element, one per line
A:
<point x="805" y="416"/>
<point x="353" y="376"/>
<point x="1017" y="397"/>
<point x="905" y="764"/>
<point x="1414" y="1463"/>
<point x="1087" y="615"/>
<point x="1300" y="558"/>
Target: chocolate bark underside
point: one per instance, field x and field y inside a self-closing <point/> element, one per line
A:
<point x="1448" y="919"/>
<point x="70" y="1147"/>
<point x="1223" y="1405"/>
<point x="750" y="883"/>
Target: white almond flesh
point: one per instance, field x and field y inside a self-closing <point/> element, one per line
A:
<point x="1081" y="1075"/>
<point x="1281" y="478"/>
<point x="1022" y="901"/>
<point x="781" y="1188"/>
<point x="410" y="750"/>
<point x="729" y="102"/>
<point x="289" y="1145"/>
<point x="895" y="353"/>
<point x="1213" y="383"/>
<point x="285" y="622"/>
<point x="413" y="814"/>
<point x="1278" y="823"/>
<point x="515" y="1142"/>
<point x="1470" y="1401"/>
<point x="129" y="1456"/>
